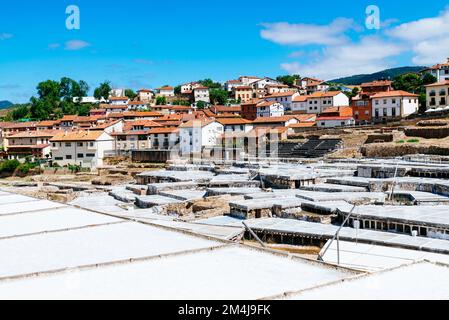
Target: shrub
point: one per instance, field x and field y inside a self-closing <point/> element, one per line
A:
<point x="9" y="166"/>
<point x="400" y="141"/>
<point x="25" y="168"/>
<point x="413" y="141"/>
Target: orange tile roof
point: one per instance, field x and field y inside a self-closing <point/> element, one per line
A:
<point x="197" y="122"/>
<point x="163" y="130"/>
<point x="378" y="83"/>
<point x="396" y="93"/>
<point x="303" y="125"/>
<point x="46" y="123"/>
<point x="274" y="119"/>
<point x="324" y="94"/>
<point x="441" y="83"/>
<point x="233" y="121"/>
<point x="77" y="136"/>
<point x="36" y="134"/>
<point x="165" y="88"/>
<point x="300" y="98"/>
<point x="240" y="88"/>
<point x="142" y="114"/>
<point x="282" y="94"/>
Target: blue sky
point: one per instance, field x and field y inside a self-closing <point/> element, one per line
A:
<point x="141" y="43"/>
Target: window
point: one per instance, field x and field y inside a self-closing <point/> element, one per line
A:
<point x="68" y="157"/>
<point x="90" y="155"/>
<point x="385" y="101"/>
<point x="80" y="144"/>
<point x="393" y="101"/>
<point x="59" y="158"/>
<point x="68" y="144"/>
<point x="80" y="155"/>
<point x="54" y="145"/>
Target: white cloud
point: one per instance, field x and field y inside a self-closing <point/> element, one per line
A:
<point x="6" y="36"/>
<point x="303" y="34"/>
<point x="428" y="38"/>
<point x="432" y="51"/>
<point x="423" y="29"/>
<point x="371" y="54"/>
<point x="73" y="45"/>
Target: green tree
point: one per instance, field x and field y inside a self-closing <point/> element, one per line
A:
<point x="130" y="94"/>
<point x="289" y="80"/>
<point x="160" y="101"/>
<point x="103" y="90"/>
<point x="218" y="96"/>
<point x="414" y="83"/>
<point x="210" y="84"/>
<point x="201" y="105"/>
<point x="178" y="90"/>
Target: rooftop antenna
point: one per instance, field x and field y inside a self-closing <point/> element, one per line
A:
<point x="337" y="237"/>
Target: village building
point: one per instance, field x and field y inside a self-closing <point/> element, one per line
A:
<point x="394" y="105"/>
<point x="437" y="95"/>
<point x="220" y="110"/>
<point x="35" y="144"/>
<point x="284" y="98"/>
<point x="164" y="138"/>
<point x="336" y="117"/>
<point x="439" y="71"/>
<point x="201" y="93"/>
<point x="243" y="93"/>
<point x="137" y="106"/>
<point x="166" y="91"/>
<point x="119" y="101"/>
<point x="319" y="101"/>
<point x="84" y="148"/>
<point x="231" y="84"/>
<point x="235" y="125"/>
<point x="197" y="134"/>
<point x="145" y="95"/>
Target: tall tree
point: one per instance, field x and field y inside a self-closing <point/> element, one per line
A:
<point x="289" y="80"/>
<point x="130" y="94"/>
<point x="210" y="84"/>
<point x="103" y="90"/>
<point x="218" y="96"/>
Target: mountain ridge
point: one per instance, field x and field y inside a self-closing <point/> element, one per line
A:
<point x="384" y="74"/>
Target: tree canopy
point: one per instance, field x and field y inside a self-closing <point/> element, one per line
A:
<point x="289" y="80"/>
<point x="103" y="91"/>
<point x="218" y="96"/>
<point x="414" y="83"/>
<point x="210" y="84"/>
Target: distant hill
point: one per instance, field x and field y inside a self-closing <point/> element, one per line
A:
<point x="5" y="104"/>
<point x="385" y="74"/>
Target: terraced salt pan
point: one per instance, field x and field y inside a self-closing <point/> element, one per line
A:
<point x="50" y="220"/>
<point x="421" y="281"/>
<point x="94" y="245"/>
<point x="11" y="208"/>
<point x="228" y="273"/>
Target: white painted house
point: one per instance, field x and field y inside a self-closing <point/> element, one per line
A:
<point x="318" y="101"/>
<point x="118" y="101"/>
<point x="270" y="109"/>
<point x="394" y="104"/>
<point x="201" y="94"/>
<point x="439" y="71"/>
<point x="84" y="148"/>
<point x="197" y="134"/>
<point x="166" y="91"/>
<point x="335" y="122"/>
<point x="284" y="98"/>
<point x="299" y="104"/>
